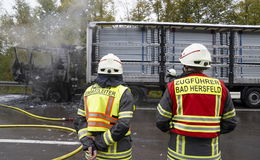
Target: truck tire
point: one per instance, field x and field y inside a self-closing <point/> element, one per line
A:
<point x="53" y="95"/>
<point x="252" y="98"/>
<point x="242" y="95"/>
<point x="138" y="94"/>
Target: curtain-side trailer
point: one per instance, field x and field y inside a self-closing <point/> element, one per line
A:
<point x="148" y="49"/>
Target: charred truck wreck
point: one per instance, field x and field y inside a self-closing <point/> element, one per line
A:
<point x="54" y="74"/>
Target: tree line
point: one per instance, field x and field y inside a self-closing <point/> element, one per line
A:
<point x="244" y="12"/>
<point x="56" y="22"/>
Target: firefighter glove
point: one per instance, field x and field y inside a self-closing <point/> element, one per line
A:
<point x="88" y="142"/>
<point x="100" y="143"/>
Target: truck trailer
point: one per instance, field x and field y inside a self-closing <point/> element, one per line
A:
<point x="149" y="49"/>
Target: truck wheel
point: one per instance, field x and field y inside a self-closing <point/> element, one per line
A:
<point x="53" y="96"/>
<point x="138" y="94"/>
<point x="252" y="98"/>
<point x="242" y="95"/>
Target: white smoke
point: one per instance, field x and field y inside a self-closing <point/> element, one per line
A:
<point x="53" y="30"/>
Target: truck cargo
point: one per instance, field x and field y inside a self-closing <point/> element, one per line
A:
<point x="149" y="49"/>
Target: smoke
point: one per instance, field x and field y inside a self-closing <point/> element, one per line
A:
<point x="55" y="29"/>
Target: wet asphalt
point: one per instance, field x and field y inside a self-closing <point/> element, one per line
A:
<point x="148" y="142"/>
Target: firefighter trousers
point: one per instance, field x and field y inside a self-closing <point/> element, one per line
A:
<point x="193" y="148"/>
<point x="121" y="150"/>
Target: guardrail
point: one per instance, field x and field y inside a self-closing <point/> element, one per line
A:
<point x="13" y="83"/>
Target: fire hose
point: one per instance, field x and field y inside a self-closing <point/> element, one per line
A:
<point x="44" y="126"/>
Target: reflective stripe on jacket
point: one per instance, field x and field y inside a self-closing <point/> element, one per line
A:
<point x="102" y="107"/>
<point x="199" y="102"/>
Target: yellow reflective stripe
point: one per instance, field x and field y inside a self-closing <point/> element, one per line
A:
<point x="128" y="133"/>
<point x="180" y="144"/>
<point x="199" y="119"/>
<point x="83" y="132"/>
<point x="163" y="112"/>
<point x="169" y="157"/>
<point x="126" y="155"/>
<point x="179" y="105"/>
<point x="128" y="158"/>
<point x="214" y="146"/>
<point x="108" y="138"/>
<point x="81" y="112"/>
<point x="229" y="114"/>
<point x="112" y="148"/>
<point x="100" y="158"/>
<point x="134" y="107"/>
<point x="218" y="103"/>
<point x="125" y="114"/>
<point x="171" y="124"/>
<point x="197" y="128"/>
<point x="217" y="146"/>
<point x="183" y="144"/>
<point x="172" y="154"/>
<point x="121" y="155"/>
<point x="97" y="129"/>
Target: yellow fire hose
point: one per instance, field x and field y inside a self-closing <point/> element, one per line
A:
<point x="44" y="126"/>
<point x="36" y="116"/>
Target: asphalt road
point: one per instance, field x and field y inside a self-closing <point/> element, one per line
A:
<point x="148" y="142"/>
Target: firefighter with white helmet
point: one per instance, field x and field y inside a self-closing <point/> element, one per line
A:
<point x="196" y="55"/>
<point x="110" y="64"/>
<point x="171" y="74"/>
<point x="195" y="109"/>
<point x="105" y="113"/>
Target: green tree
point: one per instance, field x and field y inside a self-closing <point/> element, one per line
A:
<point x="183" y="10"/>
<point x="6" y="60"/>
<point x="101" y="10"/>
<point x="141" y="12"/>
<point x="46" y="8"/>
<point x="169" y="10"/>
<point x="248" y="12"/>
<point x="198" y="11"/>
<point x="215" y="11"/>
<point x="157" y="6"/>
<point x="22" y="12"/>
<point x="6" y="22"/>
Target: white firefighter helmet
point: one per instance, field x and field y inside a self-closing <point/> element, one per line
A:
<point x="110" y="64"/>
<point x="171" y="72"/>
<point x="196" y="55"/>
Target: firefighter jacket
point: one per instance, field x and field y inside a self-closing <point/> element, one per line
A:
<point x="106" y="113"/>
<point x="195" y="109"/>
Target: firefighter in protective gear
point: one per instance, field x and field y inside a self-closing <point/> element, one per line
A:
<point x="105" y="113"/>
<point x="195" y="109"/>
<point x="171" y="74"/>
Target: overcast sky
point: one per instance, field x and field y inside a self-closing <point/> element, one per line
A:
<point x="120" y="6"/>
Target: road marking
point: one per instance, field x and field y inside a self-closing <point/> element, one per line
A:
<point x="38" y="142"/>
<point x="239" y="109"/>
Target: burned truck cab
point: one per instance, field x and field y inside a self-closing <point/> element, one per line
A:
<point x="52" y="73"/>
